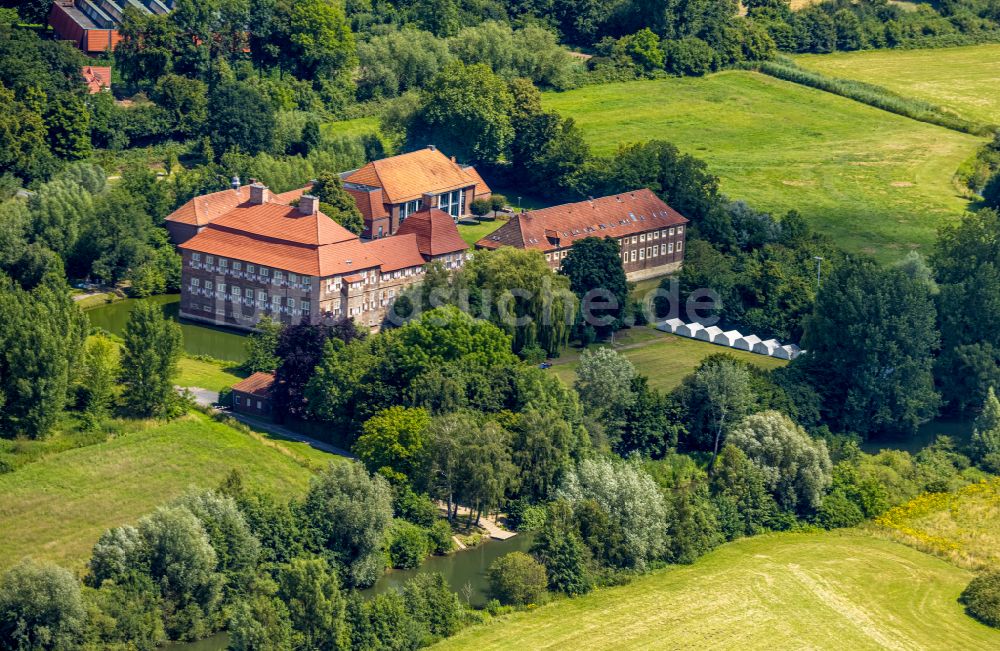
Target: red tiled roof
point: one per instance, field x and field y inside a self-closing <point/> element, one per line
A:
<point x="369" y="203"/>
<point x="353" y="278"/>
<point x="397" y="252"/>
<point x="97" y="78"/>
<point x="481" y="188"/>
<point x="435" y="230"/>
<point x="208" y="207"/>
<point x="259" y="384"/>
<point x="276" y="235"/>
<point x="283" y="222"/>
<point x="409" y="176"/>
<point x="309" y="260"/>
<point x="614" y="216"/>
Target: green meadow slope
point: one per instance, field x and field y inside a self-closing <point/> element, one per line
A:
<point x="964" y="80"/>
<point x="875" y="181"/>
<point x="56" y="508"/>
<point x="841" y="590"/>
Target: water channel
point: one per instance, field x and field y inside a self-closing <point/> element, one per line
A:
<point x="199" y="339"/>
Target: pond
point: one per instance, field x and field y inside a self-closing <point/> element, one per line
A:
<point x="465" y="572"/>
<point x="199" y="339"/>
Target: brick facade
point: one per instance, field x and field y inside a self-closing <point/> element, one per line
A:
<point x="650" y="234"/>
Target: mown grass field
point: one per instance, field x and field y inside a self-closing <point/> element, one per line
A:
<point x="962" y="527"/>
<point x="663" y="358"/>
<point x="877" y="182"/>
<point x="963" y="80"/>
<point x="214" y="376"/>
<point x="839" y="590"/>
<point x="55" y="508"/>
<point x="472" y="234"/>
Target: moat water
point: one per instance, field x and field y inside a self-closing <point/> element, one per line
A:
<point x="199" y="339"/>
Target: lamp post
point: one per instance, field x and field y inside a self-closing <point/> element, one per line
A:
<point x="819" y="269"/>
<point x="519" y="204"/>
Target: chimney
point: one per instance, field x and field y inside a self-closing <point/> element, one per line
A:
<point x="453" y="160"/>
<point x="259" y="194"/>
<point x="432" y="147"/>
<point x="235" y="183"/>
<point x="308" y="205"/>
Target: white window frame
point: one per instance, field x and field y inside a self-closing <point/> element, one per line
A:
<point x="452" y="202"/>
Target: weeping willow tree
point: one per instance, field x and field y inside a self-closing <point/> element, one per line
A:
<point x="516" y="290"/>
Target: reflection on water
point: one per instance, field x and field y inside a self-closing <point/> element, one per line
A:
<point x="220" y="343"/>
<point x="465" y="571"/>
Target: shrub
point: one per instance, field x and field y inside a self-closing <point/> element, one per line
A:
<point x="838" y="511"/>
<point x="517" y="579"/>
<point x="981" y="598"/>
<point x="440" y="537"/>
<point x="481" y="207"/>
<point x="689" y="56"/>
<point x="407" y="545"/>
<point x="498" y="202"/>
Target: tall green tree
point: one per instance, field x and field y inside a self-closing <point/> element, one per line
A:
<point x="392" y="443"/>
<point x="596" y="276"/>
<point x="323" y="44"/>
<point x="316" y="606"/>
<point x="239" y="117"/>
<point x="871" y="342"/>
<point x="796" y="467"/>
<point x="347" y="514"/>
<point x="465" y="111"/>
<point x="517" y="291"/>
<point x="262" y="347"/>
<point x="40" y="608"/>
<point x="41" y="345"/>
<point x="149" y="362"/>
<point x="336" y="203"/>
<point x="100" y="376"/>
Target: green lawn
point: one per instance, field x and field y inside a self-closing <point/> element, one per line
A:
<point x="665" y="359"/>
<point x="472" y="234"/>
<point x="214" y="376"/>
<point x="355" y="127"/>
<point x="833" y="590"/>
<point x="56" y="508"/>
<point x="876" y="182"/>
<point x="964" y="80"/>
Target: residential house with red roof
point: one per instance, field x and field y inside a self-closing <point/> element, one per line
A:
<point x="389" y="190"/>
<point x="650" y="234"/>
<point x="247" y="253"/>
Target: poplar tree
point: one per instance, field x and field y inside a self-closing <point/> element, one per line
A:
<point x="149" y="363"/>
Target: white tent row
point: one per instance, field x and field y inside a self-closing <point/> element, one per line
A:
<point x="730" y="338"/>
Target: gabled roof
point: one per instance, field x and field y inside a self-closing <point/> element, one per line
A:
<point x="396" y="252"/>
<point x="259" y="384"/>
<point x="409" y="176"/>
<point x="559" y="226"/>
<point x="283" y="222"/>
<point x="97" y="78"/>
<point x="206" y="208"/>
<point x="369" y="202"/>
<point x="435" y="231"/>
